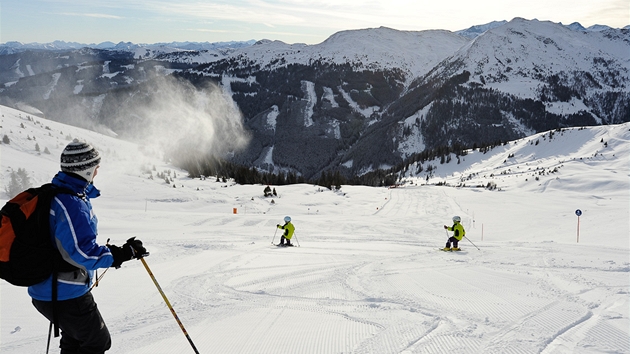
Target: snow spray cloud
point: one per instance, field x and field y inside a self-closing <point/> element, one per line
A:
<point x="189" y="123"/>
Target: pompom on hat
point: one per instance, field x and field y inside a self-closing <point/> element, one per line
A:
<point x="81" y="159"/>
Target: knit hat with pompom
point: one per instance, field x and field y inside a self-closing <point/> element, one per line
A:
<point x="81" y="159"/>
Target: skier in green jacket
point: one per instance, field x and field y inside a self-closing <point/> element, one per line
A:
<point x="458" y="234"/>
<point x="288" y="231"/>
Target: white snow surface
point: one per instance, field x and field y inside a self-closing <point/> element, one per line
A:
<point x="272" y="117"/>
<point x="330" y="97"/>
<point x="308" y="88"/>
<point x="51" y="85"/>
<point x="367" y="276"/>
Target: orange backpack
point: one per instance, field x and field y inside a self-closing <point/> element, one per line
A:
<point x="27" y="255"/>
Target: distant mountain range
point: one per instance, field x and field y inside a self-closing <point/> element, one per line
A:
<point x="359" y="102"/>
<point x="15" y="47"/>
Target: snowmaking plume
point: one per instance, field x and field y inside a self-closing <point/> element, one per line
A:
<point x="188" y="124"/>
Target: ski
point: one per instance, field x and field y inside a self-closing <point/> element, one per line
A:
<point x="443" y="250"/>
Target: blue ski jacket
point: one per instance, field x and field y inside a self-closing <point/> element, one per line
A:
<point x="73" y="228"/>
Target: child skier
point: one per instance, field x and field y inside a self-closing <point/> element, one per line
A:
<point x="288" y="231"/>
<point x="458" y="234"/>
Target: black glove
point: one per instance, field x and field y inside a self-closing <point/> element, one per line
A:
<point x="138" y="251"/>
<point x="445" y="227"/>
<point x="132" y="249"/>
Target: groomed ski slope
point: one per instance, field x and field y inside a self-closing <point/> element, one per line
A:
<point x="368" y="276"/>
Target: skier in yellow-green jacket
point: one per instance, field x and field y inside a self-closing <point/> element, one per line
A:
<point x="289" y="229"/>
<point x="458" y="234"/>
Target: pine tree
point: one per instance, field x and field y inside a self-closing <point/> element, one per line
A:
<point x="19" y="182"/>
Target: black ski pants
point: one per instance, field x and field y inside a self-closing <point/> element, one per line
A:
<point x="83" y="330"/>
<point x="452" y="239"/>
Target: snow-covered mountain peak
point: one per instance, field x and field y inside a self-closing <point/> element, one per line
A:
<point x="474" y="31"/>
<point x="524" y="51"/>
<point x="262" y="41"/>
<point x="576" y="26"/>
<point x="414" y="52"/>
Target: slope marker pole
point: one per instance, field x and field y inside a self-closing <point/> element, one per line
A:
<point x="578" y="213"/>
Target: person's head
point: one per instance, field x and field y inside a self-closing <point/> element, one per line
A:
<point x="81" y="159"/>
<point x="287" y="219"/>
<point x="456" y="219"/>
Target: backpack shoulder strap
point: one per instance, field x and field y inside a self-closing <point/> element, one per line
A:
<point x="48" y="191"/>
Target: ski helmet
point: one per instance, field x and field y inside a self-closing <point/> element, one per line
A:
<point x="287" y="218"/>
<point x="457" y="219"/>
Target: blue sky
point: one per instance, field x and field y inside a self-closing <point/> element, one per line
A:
<point x="291" y="21"/>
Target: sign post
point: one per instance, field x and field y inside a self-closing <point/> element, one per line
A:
<point x="578" y="213"/>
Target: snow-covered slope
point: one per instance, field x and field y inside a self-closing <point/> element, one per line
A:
<point x="555" y="159"/>
<point x="367" y="277"/>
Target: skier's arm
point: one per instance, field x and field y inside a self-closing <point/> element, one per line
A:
<point x="74" y="229"/>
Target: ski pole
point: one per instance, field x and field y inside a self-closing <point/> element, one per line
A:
<point x="298" y="241"/>
<point x="274" y="235"/>
<point x="49" y="335"/>
<point x="447" y="236"/>
<point x="472" y="243"/>
<point x="169" y="305"/>
<point x="98" y="279"/>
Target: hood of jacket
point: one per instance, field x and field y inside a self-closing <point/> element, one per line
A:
<point x="75" y="184"/>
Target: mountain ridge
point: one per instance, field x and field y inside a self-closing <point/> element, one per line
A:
<point x="470" y="32"/>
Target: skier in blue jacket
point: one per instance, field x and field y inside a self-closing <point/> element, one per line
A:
<point x="73" y="228"/>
